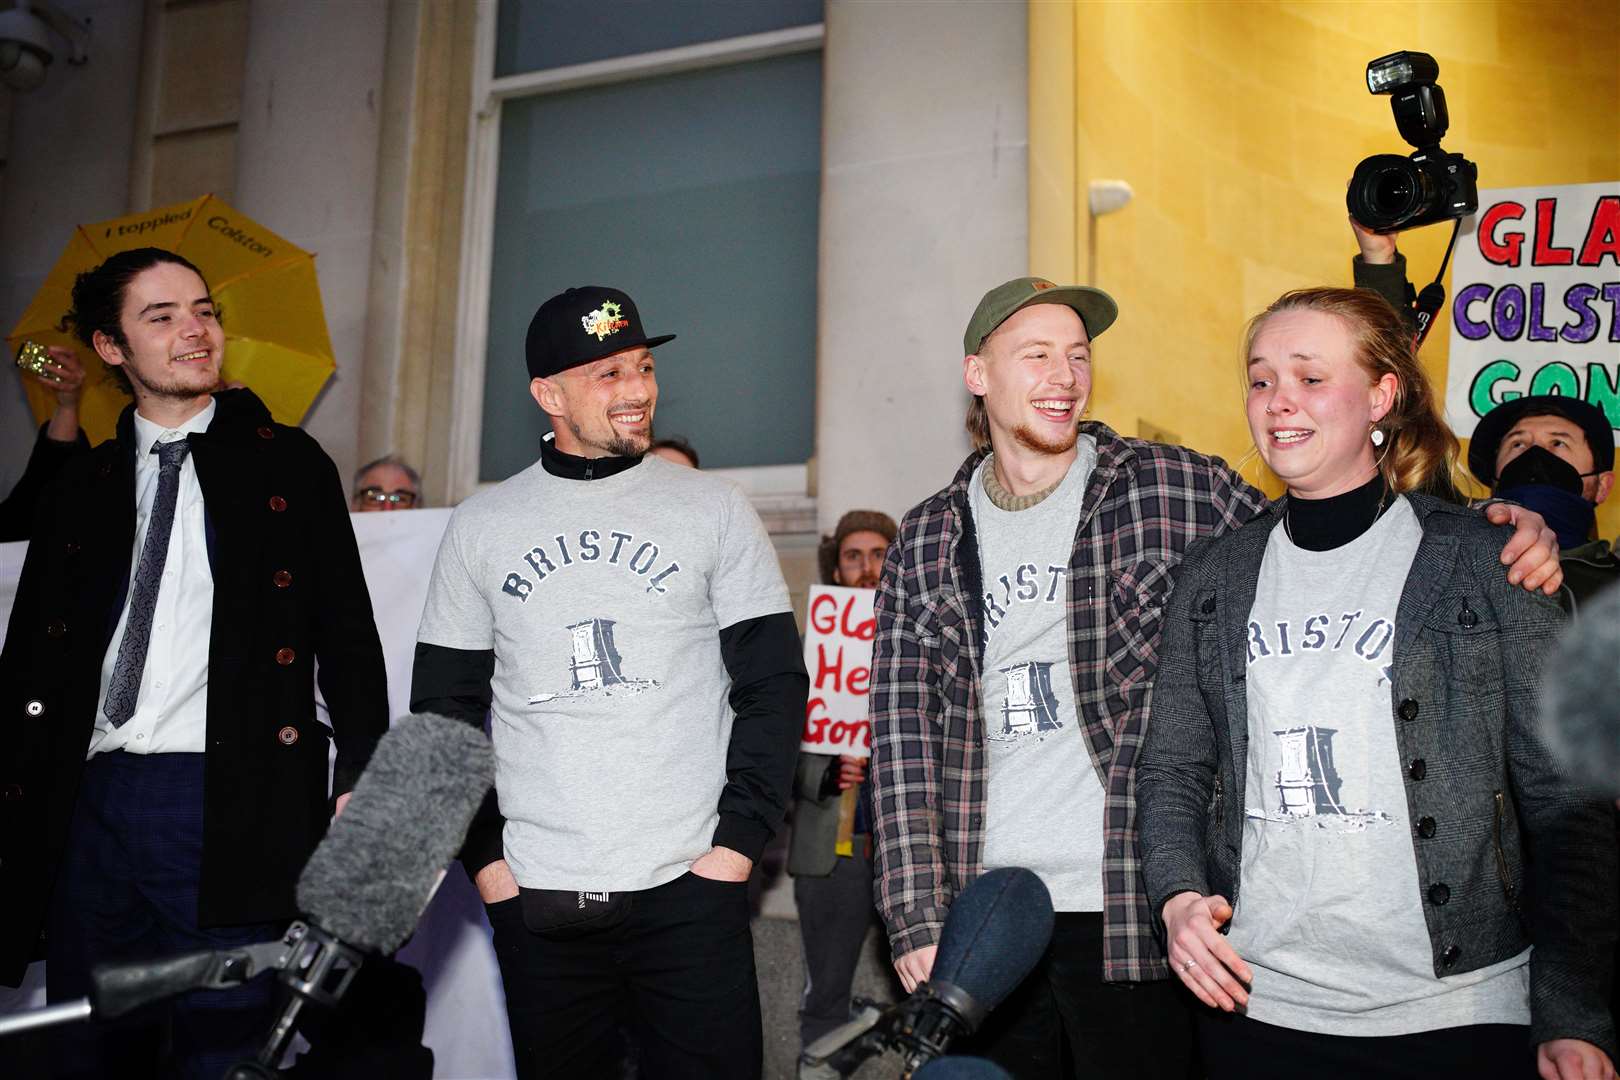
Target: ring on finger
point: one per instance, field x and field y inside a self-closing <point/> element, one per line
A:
<point x="1188" y="965"/>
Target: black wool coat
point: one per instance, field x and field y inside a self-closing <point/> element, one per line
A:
<point x="288" y="590"/>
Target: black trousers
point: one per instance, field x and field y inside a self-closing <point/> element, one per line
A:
<point x="1237" y="1048"/>
<point x="1064" y="1021"/>
<point x="835" y="913"/>
<point x="677" y="974"/>
<point x="128" y="891"/>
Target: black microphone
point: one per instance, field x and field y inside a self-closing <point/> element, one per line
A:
<point x="1580" y="695"/>
<point x="995" y="934"/>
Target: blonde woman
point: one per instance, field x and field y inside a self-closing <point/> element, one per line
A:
<point x="1350" y="830"/>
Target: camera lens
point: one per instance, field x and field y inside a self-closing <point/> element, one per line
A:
<point x="1387" y="191"/>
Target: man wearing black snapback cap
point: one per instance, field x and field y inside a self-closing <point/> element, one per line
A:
<point x="624" y="622"/>
<point x="1018" y="622"/>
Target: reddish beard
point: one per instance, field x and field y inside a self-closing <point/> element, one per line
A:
<point x="1031" y="441"/>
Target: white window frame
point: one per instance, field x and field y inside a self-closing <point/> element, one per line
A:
<point x="781" y="490"/>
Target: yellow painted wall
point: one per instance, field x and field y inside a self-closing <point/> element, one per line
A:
<point x="1238" y="125"/>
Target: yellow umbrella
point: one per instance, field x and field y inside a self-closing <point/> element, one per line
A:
<point x="275" y="330"/>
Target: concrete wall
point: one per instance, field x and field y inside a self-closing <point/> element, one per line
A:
<point x="1238" y="125"/>
<point x="923" y="209"/>
<point x="307" y="167"/>
<point x="67" y="161"/>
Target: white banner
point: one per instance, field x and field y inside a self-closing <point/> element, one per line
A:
<point x="838" y="655"/>
<point x="1536" y="301"/>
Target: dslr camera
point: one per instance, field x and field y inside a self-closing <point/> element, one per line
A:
<point x="1389" y="193"/>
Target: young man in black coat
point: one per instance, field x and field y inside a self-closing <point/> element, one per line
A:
<point x="166" y="777"/>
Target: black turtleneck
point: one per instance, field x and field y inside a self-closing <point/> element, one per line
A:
<point x="1325" y="524"/>
<point x="570" y="467"/>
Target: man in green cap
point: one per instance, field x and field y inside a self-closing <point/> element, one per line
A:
<point x="1018" y="622"/>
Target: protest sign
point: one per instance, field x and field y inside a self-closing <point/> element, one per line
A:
<point x="838" y="655"/>
<point x="1536" y="301"/>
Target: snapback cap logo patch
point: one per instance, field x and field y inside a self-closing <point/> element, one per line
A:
<point x="1041" y="286"/>
<point x="604" y="320"/>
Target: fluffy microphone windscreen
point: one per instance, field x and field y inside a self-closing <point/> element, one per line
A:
<point x="995" y="934"/>
<point x="1580" y="694"/>
<point x="369" y="880"/>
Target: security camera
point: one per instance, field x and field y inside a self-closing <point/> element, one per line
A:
<point x="25" y="49"/>
<point x="25" y="42"/>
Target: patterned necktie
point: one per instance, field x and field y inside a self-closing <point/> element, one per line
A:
<point x="125" y="685"/>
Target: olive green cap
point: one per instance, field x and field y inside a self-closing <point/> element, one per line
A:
<point x="1096" y="308"/>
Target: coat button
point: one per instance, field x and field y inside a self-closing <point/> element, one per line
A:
<point x="287" y="735"/>
<point x="35" y="708"/>
<point x="1439" y="894"/>
<point x="282" y="578"/>
<point x="1449" y="955"/>
<point x="1418" y="769"/>
<point x="72" y="547"/>
<point x="56" y="629"/>
<point x="1466" y="617"/>
<point x="1408" y="710"/>
<point x="285" y="656"/>
<point x="277" y="503"/>
<point x="267" y="432"/>
<point x="11" y="793"/>
<point x="1426" y="830"/>
<point x="1209" y="605"/>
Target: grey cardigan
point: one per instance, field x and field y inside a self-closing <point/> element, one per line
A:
<point x="1516" y="856"/>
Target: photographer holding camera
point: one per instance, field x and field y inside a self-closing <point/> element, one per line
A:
<point x="1389" y="193"/>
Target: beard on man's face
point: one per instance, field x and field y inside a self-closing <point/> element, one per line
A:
<point x="617" y="445"/>
<point x="1027" y="438"/>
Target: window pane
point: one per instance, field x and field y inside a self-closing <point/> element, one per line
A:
<point x="698" y="195"/>
<point x="537" y="34"/>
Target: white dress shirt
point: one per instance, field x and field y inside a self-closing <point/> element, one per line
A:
<point x="171" y="712"/>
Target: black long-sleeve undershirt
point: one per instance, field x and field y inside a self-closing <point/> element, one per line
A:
<point x="769" y="686"/>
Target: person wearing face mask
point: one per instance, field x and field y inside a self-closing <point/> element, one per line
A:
<point x="1345" y="770"/>
<point x="1555" y="455"/>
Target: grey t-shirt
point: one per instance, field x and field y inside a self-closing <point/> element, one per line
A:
<point x="1044" y="809"/>
<point x="1330" y="913"/>
<point x="603" y="601"/>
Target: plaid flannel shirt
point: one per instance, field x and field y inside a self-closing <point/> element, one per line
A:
<point x="1143" y="505"/>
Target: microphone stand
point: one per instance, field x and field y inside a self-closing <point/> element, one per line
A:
<point x="116" y="989"/>
<point x="319" y="969"/>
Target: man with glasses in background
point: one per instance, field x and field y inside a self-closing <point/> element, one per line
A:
<point x="386" y="484"/>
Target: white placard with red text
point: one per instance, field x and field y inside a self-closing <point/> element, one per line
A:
<point x="1535" y="300"/>
<point x="838" y="654"/>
